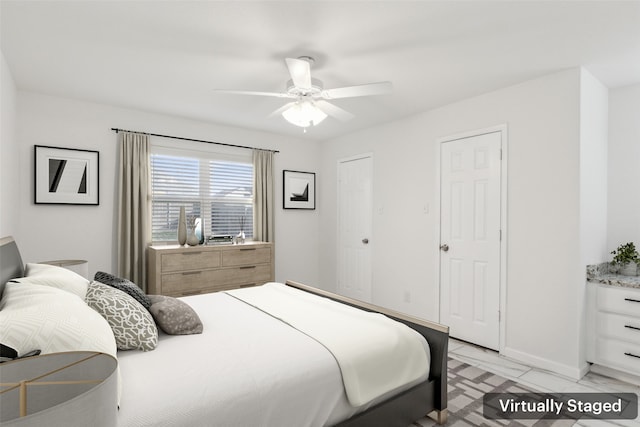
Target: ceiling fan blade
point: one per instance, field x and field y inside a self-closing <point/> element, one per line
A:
<point x="334" y="111"/>
<point x="255" y="93"/>
<point x="300" y="72"/>
<point x="281" y="110"/>
<point x="379" y="88"/>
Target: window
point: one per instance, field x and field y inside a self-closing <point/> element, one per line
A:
<point x="209" y="185"/>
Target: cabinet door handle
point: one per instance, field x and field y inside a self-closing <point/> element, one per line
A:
<point x="247" y="267"/>
<point x="631" y="355"/>
<point x="248" y="249"/>
<point x="632" y="327"/>
<point x="631" y="300"/>
<point x="188" y="273"/>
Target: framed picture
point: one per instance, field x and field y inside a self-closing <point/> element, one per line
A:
<point x="66" y="176"/>
<point x="299" y="190"/>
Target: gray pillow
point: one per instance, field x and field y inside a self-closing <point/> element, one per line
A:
<point x="173" y="316"/>
<point x="125" y="286"/>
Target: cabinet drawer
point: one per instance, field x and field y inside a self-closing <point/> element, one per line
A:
<point x="619" y="300"/>
<point x="190" y="260"/>
<point x="246" y="256"/>
<point x="625" y="328"/>
<point x="618" y="354"/>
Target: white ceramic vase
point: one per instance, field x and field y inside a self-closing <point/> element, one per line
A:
<point x="192" y="239"/>
<point x="182" y="227"/>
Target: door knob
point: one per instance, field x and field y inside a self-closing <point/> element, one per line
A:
<point x="444" y="248"/>
<point x="365" y="241"/>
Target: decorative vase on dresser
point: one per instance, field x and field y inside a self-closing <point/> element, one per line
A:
<point x="192" y="239"/>
<point x="182" y="227"/>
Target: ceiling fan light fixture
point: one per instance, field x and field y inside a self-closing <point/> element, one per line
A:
<point x="304" y="114"/>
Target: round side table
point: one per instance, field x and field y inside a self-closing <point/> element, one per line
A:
<point x="59" y="389"/>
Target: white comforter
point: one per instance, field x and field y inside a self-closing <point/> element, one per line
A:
<point x="247" y="369"/>
<point x="376" y="354"/>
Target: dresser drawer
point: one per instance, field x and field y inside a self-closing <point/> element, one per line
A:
<point x="246" y="256"/>
<point x="189" y="280"/>
<point x="625" y="328"/>
<point x="191" y="260"/>
<point x="253" y="274"/>
<point x="226" y="278"/>
<point x="204" y="290"/>
<point x="619" y="300"/>
<point x="618" y="354"/>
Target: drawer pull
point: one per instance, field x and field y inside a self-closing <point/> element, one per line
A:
<point x="184" y="294"/>
<point x="248" y="285"/>
<point x="632" y="327"/>
<point x="188" y="273"/>
<point x="247" y="267"/>
<point x="631" y="300"/>
<point x="631" y="355"/>
<point x="191" y="253"/>
<point x="248" y="249"/>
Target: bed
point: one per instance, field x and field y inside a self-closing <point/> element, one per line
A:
<point x="250" y="367"/>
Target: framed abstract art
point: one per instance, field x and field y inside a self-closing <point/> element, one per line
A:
<point x="299" y="190"/>
<point x="66" y="176"/>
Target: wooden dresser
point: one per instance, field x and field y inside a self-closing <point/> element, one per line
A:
<point x="187" y="270"/>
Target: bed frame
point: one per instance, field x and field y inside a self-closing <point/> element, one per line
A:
<point x="426" y="398"/>
<point x="429" y="397"/>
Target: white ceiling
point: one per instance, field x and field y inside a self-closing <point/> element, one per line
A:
<point x="169" y="56"/>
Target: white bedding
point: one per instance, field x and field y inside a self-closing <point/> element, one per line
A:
<point x="246" y="369"/>
<point x="375" y="354"/>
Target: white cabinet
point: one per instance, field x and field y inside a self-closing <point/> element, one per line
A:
<point x="613" y="329"/>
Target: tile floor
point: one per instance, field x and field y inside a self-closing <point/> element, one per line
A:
<point x="542" y="380"/>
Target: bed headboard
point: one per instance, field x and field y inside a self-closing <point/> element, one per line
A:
<point x="11" y="265"/>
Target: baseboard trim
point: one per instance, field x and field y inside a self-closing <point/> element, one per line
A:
<point x="614" y="373"/>
<point x="573" y="372"/>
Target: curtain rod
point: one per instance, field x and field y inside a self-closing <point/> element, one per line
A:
<point x="116" y="130"/>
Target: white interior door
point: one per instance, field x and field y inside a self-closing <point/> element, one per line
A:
<point x="470" y="236"/>
<point x="355" y="207"/>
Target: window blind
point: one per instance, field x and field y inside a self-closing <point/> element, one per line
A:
<point x="216" y="189"/>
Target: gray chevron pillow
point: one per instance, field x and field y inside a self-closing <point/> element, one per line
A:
<point x="125" y="286"/>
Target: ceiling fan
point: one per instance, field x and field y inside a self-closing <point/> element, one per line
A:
<point x="310" y="103"/>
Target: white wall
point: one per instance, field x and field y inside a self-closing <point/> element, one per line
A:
<point x="543" y="211"/>
<point x="624" y="167"/>
<point x="88" y="232"/>
<point x="10" y="176"/>
<point x="594" y="113"/>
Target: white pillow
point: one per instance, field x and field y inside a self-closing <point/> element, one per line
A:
<point x="54" y="276"/>
<point x="35" y="317"/>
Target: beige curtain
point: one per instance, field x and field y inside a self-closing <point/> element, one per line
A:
<point x="134" y="223"/>
<point x="263" y="228"/>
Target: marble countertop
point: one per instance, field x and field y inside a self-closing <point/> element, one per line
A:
<point x="600" y="273"/>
